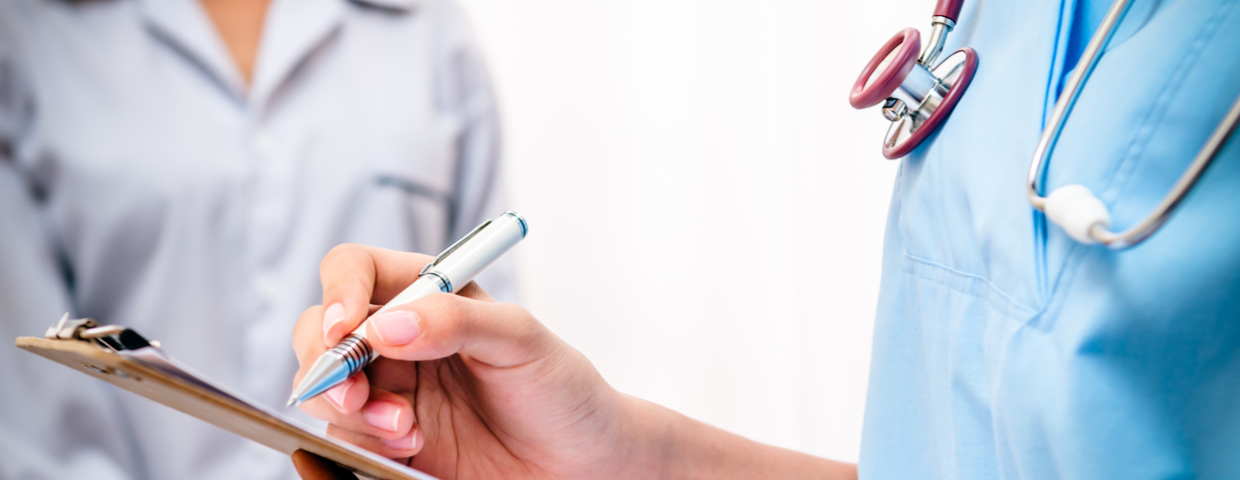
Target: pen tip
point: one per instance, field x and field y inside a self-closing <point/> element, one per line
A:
<point x="291" y="401"/>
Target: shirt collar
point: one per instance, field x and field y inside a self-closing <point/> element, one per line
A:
<point x="293" y="30"/>
<point x="184" y="25"/>
<point x="397" y="5"/>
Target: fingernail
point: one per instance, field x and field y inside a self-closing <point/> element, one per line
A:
<point x="383" y="415"/>
<point x="333" y="315"/>
<point x="396" y="328"/>
<point x="411" y="441"/>
<point x="338" y="393"/>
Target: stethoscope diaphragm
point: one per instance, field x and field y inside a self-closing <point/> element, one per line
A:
<point x="916" y="93"/>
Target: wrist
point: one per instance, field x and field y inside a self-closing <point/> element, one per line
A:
<point x="659" y="443"/>
<point x="647" y="442"/>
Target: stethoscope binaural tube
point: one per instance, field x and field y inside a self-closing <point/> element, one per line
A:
<point x="1080" y="213"/>
<point x="943" y="22"/>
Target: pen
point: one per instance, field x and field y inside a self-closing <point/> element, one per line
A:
<point x="454" y="268"/>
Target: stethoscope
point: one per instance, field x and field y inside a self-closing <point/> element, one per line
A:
<point x="918" y="95"/>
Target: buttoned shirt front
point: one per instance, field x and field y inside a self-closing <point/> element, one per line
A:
<point x="144" y="183"/>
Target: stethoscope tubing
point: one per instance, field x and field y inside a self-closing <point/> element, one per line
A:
<point x="1152" y="222"/>
<point x="1085" y="67"/>
<point x="1050" y="135"/>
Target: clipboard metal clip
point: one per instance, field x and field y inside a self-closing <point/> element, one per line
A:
<point x="112" y="337"/>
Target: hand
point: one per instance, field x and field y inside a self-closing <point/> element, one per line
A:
<point x="471" y="388"/>
<point x="467" y="387"/>
<point x="313" y="467"/>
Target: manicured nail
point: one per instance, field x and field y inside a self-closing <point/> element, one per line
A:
<point x="396" y="328"/>
<point x="411" y="441"/>
<point x="333" y="315"/>
<point x="382" y="415"/>
<point x="338" y="393"/>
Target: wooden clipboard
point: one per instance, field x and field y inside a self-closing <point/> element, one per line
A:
<point x="107" y="354"/>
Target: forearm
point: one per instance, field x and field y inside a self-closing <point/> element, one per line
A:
<point x="668" y="445"/>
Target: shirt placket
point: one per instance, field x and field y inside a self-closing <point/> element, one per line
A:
<point x="270" y="218"/>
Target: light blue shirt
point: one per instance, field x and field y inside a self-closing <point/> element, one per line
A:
<point x="1003" y="349"/>
<point x="142" y="183"/>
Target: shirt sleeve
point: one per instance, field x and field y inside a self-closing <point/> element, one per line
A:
<point x="15" y="108"/>
<point x="54" y="422"/>
<point x="464" y="88"/>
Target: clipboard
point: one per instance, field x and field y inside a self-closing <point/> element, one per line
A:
<point x="124" y="358"/>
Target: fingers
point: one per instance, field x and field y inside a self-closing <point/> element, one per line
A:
<point x="374" y="418"/>
<point x="499" y="334"/>
<point x="308" y="341"/>
<point x="404" y="447"/>
<point x="348" y="397"/>
<point x="472" y="290"/>
<point x="348" y="277"/>
<point x="308" y="337"/>
<point x="313" y="467"/>
<point x="396" y="376"/>
<point x="384" y="414"/>
<point x="354" y="403"/>
<point x="355" y="276"/>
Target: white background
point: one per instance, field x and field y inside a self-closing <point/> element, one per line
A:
<point x="706" y="210"/>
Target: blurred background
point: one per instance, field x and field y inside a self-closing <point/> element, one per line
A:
<point x="706" y="210"/>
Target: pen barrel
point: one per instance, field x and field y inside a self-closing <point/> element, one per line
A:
<point x="422" y="287"/>
<point x="462" y="262"/>
<point x="471" y="257"/>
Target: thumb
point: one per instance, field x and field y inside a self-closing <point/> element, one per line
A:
<point x="441" y="325"/>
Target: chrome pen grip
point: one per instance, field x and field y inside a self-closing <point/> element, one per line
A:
<point x="334" y="366"/>
<point x="355" y="352"/>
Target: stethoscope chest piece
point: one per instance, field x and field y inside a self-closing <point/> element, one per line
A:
<point x="916" y="96"/>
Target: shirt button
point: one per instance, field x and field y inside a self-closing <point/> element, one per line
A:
<point x="262" y="143"/>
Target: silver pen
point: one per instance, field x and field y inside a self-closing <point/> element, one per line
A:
<point x="452" y="269"/>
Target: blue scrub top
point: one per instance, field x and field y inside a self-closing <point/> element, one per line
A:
<point x="1003" y="349"/>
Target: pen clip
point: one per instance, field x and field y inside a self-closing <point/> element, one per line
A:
<point x="453" y="248"/>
